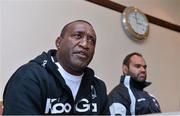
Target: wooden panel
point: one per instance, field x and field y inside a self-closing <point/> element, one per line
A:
<point x="119" y="8"/>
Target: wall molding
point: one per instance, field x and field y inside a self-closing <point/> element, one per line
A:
<point x="119" y="8"/>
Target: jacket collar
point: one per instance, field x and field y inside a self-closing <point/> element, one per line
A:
<point x="133" y="83"/>
<point x="51" y="66"/>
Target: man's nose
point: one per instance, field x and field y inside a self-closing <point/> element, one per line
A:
<point x="84" y="42"/>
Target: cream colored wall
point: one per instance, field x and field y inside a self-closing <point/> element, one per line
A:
<point x="1" y="80"/>
<point x="162" y="51"/>
<point x="167" y="60"/>
<point x="30" y="27"/>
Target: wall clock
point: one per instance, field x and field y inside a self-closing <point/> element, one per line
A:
<point x="135" y="23"/>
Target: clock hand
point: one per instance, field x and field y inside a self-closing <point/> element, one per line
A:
<point x="137" y="21"/>
<point x="136" y="17"/>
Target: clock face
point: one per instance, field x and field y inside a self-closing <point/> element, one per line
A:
<point x="135" y="23"/>
<point x="138" y="22"/>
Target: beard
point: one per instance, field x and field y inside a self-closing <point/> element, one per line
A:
<point x="140" y="77"/>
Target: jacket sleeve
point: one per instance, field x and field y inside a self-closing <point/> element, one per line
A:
<point x="119" y="102"/>
<point x="154" y="106"/>
<point x="22" y="94"/>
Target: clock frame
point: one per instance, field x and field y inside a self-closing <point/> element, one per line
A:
<point x="137" y="28"/>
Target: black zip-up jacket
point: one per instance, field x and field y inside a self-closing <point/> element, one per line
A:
<point x="38" y="88"/>
<point x="129" y="98"/>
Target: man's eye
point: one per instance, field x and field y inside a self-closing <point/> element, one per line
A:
<point x="145" y="66"/>
<point x="77" y="36"/>
<point x="138" y="66"/>
<point x="92" y="41"/>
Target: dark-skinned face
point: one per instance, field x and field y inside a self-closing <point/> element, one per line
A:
<point x="77" y="47"/>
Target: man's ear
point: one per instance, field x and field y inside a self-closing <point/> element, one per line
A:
<point x="125" y="69"/>
<point x="58" y="41"/>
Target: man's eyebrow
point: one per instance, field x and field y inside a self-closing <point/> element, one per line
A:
<point x="141" y="65"/>
<point x="84" y="32"/>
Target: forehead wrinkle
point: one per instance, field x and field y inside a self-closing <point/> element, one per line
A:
<point x="82" y="29"/>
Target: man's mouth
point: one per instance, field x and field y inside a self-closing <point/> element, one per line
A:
<point x="142" y="76"/>
<point x="82" y="54"/>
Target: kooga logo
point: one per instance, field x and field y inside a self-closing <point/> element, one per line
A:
<point x="54" y="107"/>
